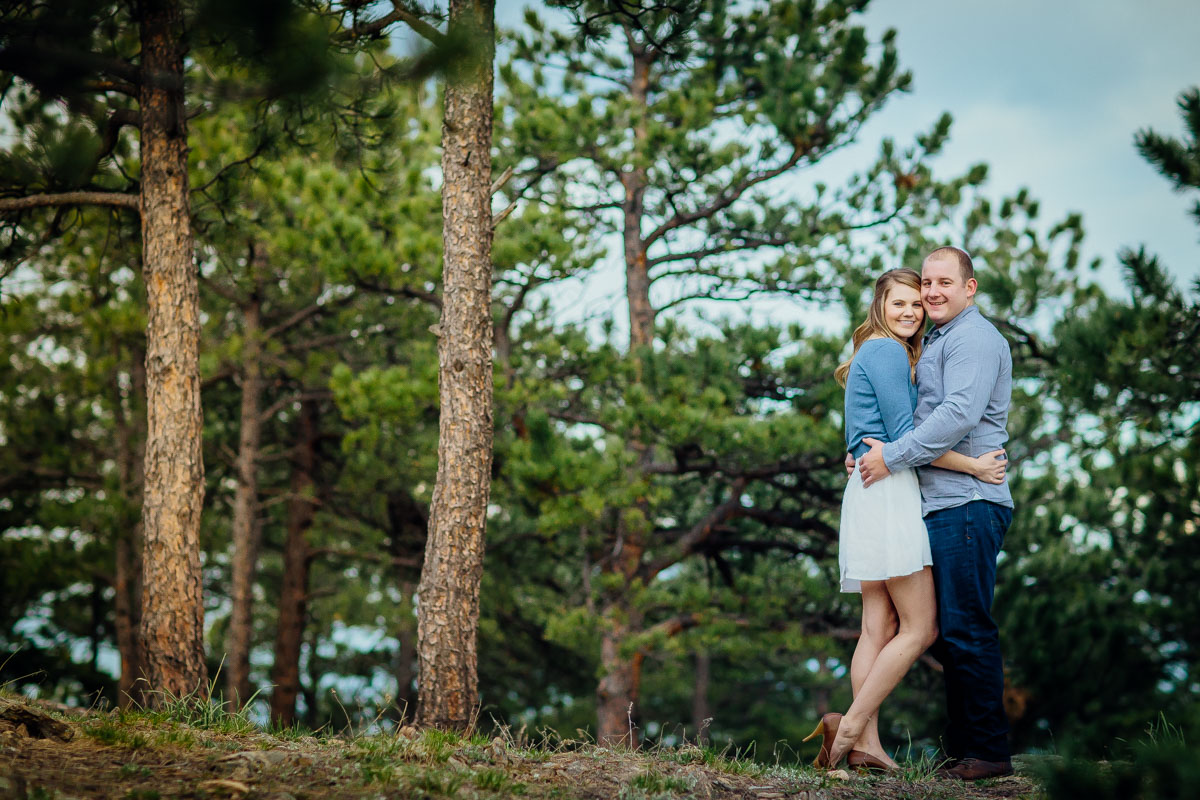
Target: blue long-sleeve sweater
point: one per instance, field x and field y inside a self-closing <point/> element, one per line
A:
<point x="880" y="396"/>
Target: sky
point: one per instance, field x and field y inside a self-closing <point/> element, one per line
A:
<point x="1049" y="93"/>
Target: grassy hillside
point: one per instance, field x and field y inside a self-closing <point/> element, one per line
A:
<point x="191" y="751"/>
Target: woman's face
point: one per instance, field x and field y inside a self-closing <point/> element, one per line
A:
<point x="902" y="311"/>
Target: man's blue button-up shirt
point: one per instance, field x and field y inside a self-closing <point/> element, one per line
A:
<point x="964" y="386"/>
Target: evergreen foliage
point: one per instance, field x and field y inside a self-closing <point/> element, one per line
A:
<point x="657" y="502"/>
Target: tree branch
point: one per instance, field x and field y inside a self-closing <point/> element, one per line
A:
<point x="399" y="14"/>
<point x="131" y="202"/>
<point x="305" y="313"/>
<point x="398" y="561"/>
<point x="746" y="243"/>
<point x="285" y="401"/>
<point x="121" y="87"/>
<point x="699" y="532"/>
<point x="26" y="58"/>
<point x="724" y="200"/>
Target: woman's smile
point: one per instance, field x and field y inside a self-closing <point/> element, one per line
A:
<point x="903" y="312"/>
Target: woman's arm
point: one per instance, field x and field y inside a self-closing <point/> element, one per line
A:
<point x="988" y="468"/>
<point x="886" y="366"/>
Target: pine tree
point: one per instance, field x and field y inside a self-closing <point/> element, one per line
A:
<point x="118" y="65"/>
<point x="449" y="589"/>
<point x="1106" y="526"/>
<point x="677" y="130"/>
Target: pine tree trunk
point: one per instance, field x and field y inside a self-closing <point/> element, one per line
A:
<point x="293" y="601"/>
<point x="617" y="692"/>
<point x="449" y="586"/>
<point x="245" y="508"/>
<point x="637" y="274"/>
<point x="172" y="624"/>
<point x="130" y="423"/>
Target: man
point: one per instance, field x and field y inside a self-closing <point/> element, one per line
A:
<point x="964" y="385"/>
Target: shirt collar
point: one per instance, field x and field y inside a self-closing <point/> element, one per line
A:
<point x="941" y="330"/>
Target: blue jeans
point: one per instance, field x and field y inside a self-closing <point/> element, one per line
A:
<point x="965" y="541"/>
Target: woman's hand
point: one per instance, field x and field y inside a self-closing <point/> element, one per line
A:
<point x="990" y="467"/>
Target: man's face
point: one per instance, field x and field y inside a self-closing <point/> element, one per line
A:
<point x="943" y="291"/>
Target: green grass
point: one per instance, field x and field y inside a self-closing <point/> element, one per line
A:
<point x="1160" y="732"/>
<point x="432" y="782"/>
<point x="498" y="781"/>
<point x="294" y="732"/>
<point x="142" y="794"/>
<point x="737" y="763"/>
<point x="204" y="714"/>
<point x="134" y="770"/>
<point x="439" y="745"/>
<point x="655" y="784"/>
<point x="179" y="737"/>
<point x="115" y="734"/>
<point x="379" y="757"/>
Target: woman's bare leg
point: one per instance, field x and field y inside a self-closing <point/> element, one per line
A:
<point x="913" y="597"/>
<point x="879" y="625"/>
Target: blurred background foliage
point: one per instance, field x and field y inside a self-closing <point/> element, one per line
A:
<point x="332" y="231"/>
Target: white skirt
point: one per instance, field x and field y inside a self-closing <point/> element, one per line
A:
<point x="882" y="535"/>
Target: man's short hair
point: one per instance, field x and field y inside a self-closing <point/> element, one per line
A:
<point x="958" y="254"/>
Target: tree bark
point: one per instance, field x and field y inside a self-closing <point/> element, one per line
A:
<point x="110" y="199"/>
<point x="449" y="586"/>
<point x="637" y="271"/>
<point x="293" y="601"/>
<point x="172" y="624"/>
<point x="617" y="692"/>
<point x="245" y="503"/>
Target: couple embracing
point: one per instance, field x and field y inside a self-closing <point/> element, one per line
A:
<point x="925" y="511"/>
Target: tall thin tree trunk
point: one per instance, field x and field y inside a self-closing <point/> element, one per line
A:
<point x="293" y="601"/>
<point x="172" y="625"/>
<point x="617" y="692"/>
<point x="245" y="505"/>
<point x="620" y="682"/>
<point x="637" y="271"/>
<point x="130" y="422"/>
<point x="449" y="586"/>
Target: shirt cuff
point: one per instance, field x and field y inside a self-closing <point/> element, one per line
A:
<point x="891" y="456"/>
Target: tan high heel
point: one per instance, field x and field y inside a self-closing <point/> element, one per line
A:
<point x="827" y="729"/>
<point x="859" y="760"/>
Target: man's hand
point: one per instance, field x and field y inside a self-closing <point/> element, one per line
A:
<point x="849" y="465"/>
<point x="871" y="465"/>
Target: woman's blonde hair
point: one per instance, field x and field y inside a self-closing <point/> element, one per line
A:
<point x="876" y="324"/>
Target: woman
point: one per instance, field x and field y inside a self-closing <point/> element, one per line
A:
<point x="883" y="545"/>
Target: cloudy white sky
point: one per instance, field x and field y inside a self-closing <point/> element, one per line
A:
<point x="1049" y="93"/>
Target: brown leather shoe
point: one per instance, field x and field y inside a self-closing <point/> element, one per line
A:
<point x="974" y="769"/>
<point x="946" y="767"/>
<point x="942" y="770"/>
<point x="867" y="762"/>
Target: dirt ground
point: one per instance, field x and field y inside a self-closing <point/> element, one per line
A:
<point x="145" y="756"/>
